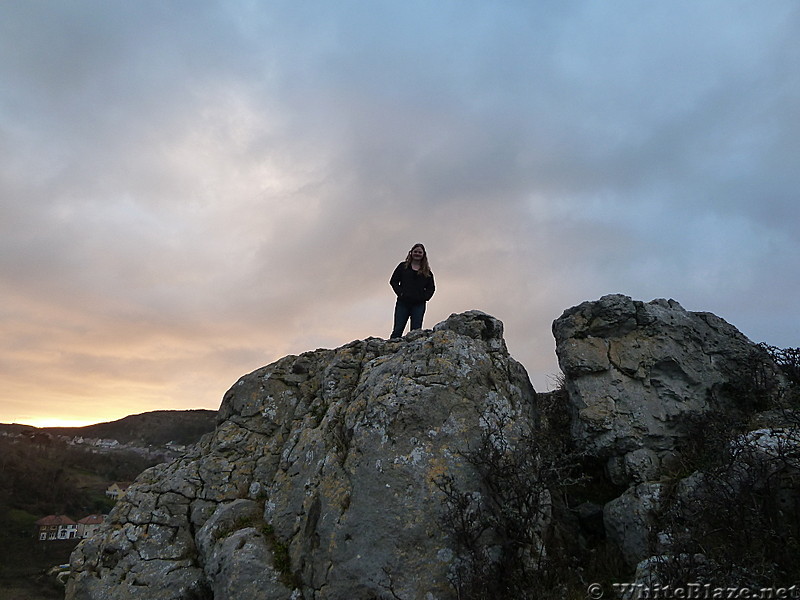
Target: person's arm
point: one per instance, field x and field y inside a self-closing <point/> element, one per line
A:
<point x="430" y="288"/>
<point x="396" y="279"/>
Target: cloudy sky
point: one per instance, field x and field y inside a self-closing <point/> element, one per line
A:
<point x="190" y="190"/>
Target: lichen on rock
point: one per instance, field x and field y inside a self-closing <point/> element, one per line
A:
<point x="333" y="454"/>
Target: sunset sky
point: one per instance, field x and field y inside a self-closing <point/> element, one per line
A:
<point x="190" y="190"/>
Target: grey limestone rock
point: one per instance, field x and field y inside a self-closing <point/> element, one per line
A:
<point x="639" y="378"/>
<point x="636" y="373"/>
<point x="320" y="479"/>
<point x="631" y="520"/>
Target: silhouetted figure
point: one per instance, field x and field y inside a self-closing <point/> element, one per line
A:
<point x="412" y="281"/>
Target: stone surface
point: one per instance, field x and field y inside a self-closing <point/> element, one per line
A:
<point x="320" y="476"/>
<point x="631" y="520"/>
<point x="320" y="480"/>
<point x="637" y="373"/>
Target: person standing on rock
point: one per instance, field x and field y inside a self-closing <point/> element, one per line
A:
<point x="412" y="281"/>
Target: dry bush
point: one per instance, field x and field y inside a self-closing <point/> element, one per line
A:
<point x="738" y="523"/>
<point x="517" y="536"/>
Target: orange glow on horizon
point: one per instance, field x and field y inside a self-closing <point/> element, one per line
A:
<point x="54" y="422"/>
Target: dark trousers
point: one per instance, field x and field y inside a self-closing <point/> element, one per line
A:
<point x="403" y="312"/>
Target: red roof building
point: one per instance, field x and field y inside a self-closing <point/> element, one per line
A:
<point x="87" y="526"/>
<point x="56" y="527"/>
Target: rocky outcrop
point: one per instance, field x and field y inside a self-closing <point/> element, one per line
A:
<point x="647" y="380"/>
<point x="639" y="373"/>
<point x="320" y="481"/>
<point x="336" y="474"/>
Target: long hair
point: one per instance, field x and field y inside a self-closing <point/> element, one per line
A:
<point x="424" y="267"/>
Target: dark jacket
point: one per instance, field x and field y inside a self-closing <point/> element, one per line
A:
<point x="410" y="286"/>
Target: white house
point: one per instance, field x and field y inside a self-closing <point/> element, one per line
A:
<point x="57" y="527"/>
<point x="87" y="526"/>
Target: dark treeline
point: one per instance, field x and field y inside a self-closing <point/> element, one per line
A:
<point x="42" y="476"/>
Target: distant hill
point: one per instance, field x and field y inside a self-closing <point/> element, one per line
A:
<point x="151" y="428"/>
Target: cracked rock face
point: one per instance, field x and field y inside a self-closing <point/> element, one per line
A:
<point x="637" y="372"/>
<point x="319" y="481"/>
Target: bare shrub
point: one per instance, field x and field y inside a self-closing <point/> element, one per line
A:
<point x="736" y="521"/>
<point x="513" y="537"/>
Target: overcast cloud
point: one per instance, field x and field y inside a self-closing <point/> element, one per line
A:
<point x="190" y="190"/>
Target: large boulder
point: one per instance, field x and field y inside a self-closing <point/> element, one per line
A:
<point x="639" y="374"/>
<point x="320" y="481"/>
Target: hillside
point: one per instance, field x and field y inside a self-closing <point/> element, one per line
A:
<point x="42" y="472"/>
<point x="154" y="428"/>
